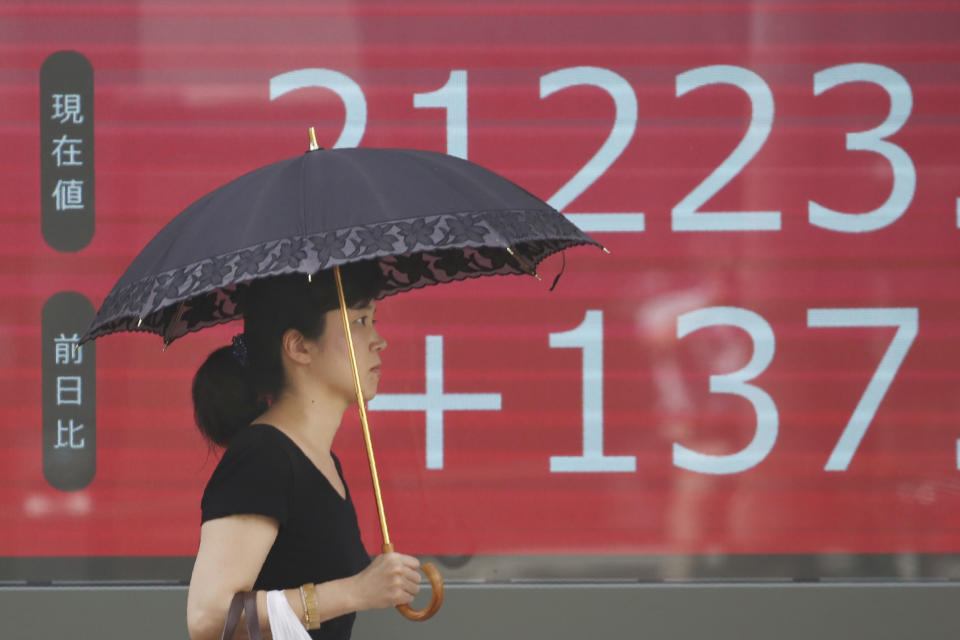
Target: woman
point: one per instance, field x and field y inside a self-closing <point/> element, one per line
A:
<point x="276" y="512"/>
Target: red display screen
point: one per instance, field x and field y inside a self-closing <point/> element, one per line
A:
<point x="765" y="363"/>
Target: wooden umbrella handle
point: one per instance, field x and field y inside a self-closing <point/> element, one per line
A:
<point x="436" y="598"/>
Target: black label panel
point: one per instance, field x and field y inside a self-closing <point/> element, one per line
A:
<point x="69" y="381"/>
<point x="67" y="151"/>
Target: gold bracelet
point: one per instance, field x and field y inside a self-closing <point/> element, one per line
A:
<point x="310" y="614"/>
<point x="306" y="612"/>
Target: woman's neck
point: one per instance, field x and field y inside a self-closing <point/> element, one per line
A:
<point x="311" y="419"/>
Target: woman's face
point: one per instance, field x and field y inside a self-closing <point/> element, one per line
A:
<point x="332" y="366"/>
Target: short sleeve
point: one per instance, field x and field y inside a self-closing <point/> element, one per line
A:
<point x="254" y="476"/>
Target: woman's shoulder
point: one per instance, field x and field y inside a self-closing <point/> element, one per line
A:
<point x="258" y="441"/>
<point x="254" y="475"/>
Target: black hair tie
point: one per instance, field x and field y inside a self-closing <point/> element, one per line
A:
<point x="240" y="349"/>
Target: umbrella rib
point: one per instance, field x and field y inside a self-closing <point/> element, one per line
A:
<point x="523" y="263"/>
<point x="166" y="332"/>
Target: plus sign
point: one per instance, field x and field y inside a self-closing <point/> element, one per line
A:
<point x="434" y="402"/>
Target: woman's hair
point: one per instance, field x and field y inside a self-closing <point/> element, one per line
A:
<point x="228" y="395"/>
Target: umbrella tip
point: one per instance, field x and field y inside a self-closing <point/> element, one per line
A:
<point x="312" y="134"/>
<point x="605" y="250"/>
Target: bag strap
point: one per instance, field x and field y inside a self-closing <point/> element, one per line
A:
<point x="233" y="617"/>
<point x="253" y="620"/>
<point x="243" y="602"/>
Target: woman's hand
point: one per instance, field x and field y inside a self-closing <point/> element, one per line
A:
<point x="390" y="580"/>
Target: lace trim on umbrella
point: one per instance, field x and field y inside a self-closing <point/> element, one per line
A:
<point x="412" y="253"/>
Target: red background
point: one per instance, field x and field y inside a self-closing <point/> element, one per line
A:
<point x="182" y="106"/>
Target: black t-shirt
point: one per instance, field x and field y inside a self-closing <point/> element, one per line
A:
<point x="264" y="472"/>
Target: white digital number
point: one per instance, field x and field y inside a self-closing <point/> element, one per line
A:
<point x="686" y="215"/>
<point x="906" y="321"/>
<point x="453" y="97"/>
<point x="589" y="337"/>
<point x="736" y="383"/>
<point x="343" y="85"/>
<point x="624" y="125"/>
<point x="904" y="173"/>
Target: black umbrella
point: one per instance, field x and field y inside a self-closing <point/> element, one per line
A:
<point x="426" y="217"/>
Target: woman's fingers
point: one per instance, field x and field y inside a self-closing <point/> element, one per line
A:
<point x="391" y="579"/>
<point x="409" y="561"/>
<point x="407" y="584"/>
<point x="398" y="576"/>
<point x="412" y="584"/>
<point x="408" y="578"/>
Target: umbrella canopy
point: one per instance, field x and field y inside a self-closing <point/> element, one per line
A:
<point x="427" y="217"/>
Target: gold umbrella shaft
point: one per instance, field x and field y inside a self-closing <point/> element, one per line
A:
<point x="363" y="408"/>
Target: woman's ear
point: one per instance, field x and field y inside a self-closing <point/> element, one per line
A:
<point x="295" y="346"/>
